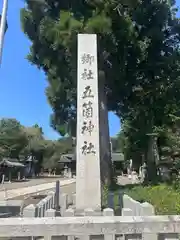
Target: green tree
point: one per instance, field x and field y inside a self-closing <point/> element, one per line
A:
<point x="54" y="150"/>
<point x="17" y="141"/>
<point x="138" y="50"/>
<point x="12" y="138"/>
<point x="35" y="146"/>
<point x="118" y="142"/>
<point x="35" y="138"/>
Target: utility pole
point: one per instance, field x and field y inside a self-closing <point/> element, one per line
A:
<point x="3" y="26"/>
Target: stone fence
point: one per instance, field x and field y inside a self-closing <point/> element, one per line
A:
<point x="47" y="206"/>
<point x="41" y="207"/>
<point x="107" y="227"/>
<point x="128" y="206"/>
<point x="132" y="207"/>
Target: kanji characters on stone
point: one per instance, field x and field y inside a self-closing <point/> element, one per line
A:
<point x="87" y="93"/>
<point x="87" y="127"/>
<point x="87" y="74"/>
<point x="87" y="110"/>
<point x="87" y="59"/>
<point x="88" y="148"/>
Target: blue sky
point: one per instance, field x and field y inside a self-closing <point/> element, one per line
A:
<point x="22" y="85"/>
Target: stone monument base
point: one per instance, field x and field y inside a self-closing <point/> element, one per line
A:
<point x="86" y="212"/>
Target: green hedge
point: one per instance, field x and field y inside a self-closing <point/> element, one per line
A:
<point x="164" y="198"/>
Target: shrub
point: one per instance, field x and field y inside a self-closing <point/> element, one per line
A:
<point x="164" y="198"/>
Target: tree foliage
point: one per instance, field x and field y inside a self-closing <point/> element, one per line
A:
<point x="12" y="138"/>
<point x="54" y="149"/>
<point x="138" y="46"/>
<point x="138" y="50"/>
<point x="17" y="141"/>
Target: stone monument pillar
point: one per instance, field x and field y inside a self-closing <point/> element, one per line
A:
<point x="88" y="148"/>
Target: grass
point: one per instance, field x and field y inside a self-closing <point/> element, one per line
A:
<point x="163" y="197"/>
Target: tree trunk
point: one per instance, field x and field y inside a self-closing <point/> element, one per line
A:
<point x="152" y="159"/>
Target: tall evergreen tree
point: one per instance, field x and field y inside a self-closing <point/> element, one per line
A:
<point x="138" y="50"/>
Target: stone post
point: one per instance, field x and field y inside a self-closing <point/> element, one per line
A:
<point x="50" y="213"/>
<point x="57" y="193"/>
<point x="108" y="212"/>
<point x="148" y="210"/>
<point x="127" y="212"/>
<point x="110" y="200"/>
<point x="29" y="211"/>
<point x="69" y="213"/>
<point x="63" y="203"/>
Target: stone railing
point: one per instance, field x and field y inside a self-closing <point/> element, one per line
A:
<point x="47" y="203"/>
<point x="41" y="207"/>
<point x="132" y="207"/>
<point x="106" y="227"/>
<point x="46" y="207"/>
<point x="127" y="206"/>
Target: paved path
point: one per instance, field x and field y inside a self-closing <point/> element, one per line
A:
<point x="30" y="182"/>
<point x="24" y="191"/>
<point x="69" y="189"/>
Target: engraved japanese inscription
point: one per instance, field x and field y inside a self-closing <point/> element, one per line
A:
<point x="87" y="92"/>
<point x="87" y="128"/>
<point x="88" y="148"/>
<point x="88" y="174"/>
<point x="87" y="59"/>
<point x="87" y="74"/>
<point x="87" y="109"/>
